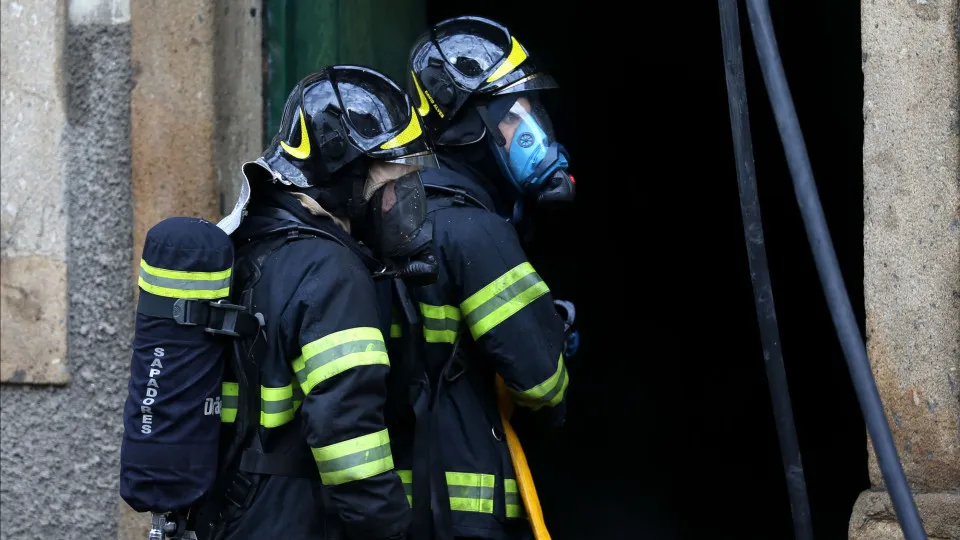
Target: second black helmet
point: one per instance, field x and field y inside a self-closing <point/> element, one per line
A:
<point x="468" y="57"/>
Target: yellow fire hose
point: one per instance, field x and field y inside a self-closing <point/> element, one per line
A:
<point x="528" y="491"/>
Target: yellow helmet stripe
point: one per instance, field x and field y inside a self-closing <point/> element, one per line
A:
<point x="424" y="107"/>
<point x="303" y="150"/>
<point x="409" y="133"/>
<point x="515" y="58"/>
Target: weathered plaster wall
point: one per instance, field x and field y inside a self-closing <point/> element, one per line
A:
<point x="33" y="217"/>
<point x="114" y="116"/>
<point x="66" y="170"/>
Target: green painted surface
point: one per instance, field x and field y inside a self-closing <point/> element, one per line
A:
<point x="304" y="35"/>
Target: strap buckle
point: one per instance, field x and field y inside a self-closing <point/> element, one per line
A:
<point x="183" y="311"/>
<point x="231" y="313"/>
<point x="461" y="195"/>
<point x="219" y="317"/>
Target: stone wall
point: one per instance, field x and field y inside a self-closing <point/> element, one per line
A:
<point x="911" y="179"/>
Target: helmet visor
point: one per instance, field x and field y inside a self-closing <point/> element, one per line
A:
<point x="426" y="159"/>
<point x="536" y="81"/>
<point x="472" y="47"/>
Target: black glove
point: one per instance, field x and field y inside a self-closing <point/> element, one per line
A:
<point x="572" y="338"/>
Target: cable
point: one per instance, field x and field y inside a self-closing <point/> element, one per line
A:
<point x="760" y="273"/>
<point x="834" y="289"/>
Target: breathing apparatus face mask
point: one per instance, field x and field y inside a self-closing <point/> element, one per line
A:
<point x="398" y="231"/>
<point x="530" y="155"/>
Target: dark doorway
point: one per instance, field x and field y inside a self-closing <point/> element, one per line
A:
<point x="670" y="432"/>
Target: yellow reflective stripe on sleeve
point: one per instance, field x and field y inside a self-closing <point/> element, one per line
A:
<point x="354" y="459"/>
<point x="230" y="392"/>
<point x="277" y="405"/>
<point x="506" y="295"/>
<point x="338" y="352"/>
<point x="513" y="501"/>
<point x="548" y="393"/>
<point x="440" y="323"/>
<point x="182" y="284"/>
<point x="471" y="492"/>
<point x="406" y="476"/>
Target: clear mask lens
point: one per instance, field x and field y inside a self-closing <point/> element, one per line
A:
<point x="529" y="134"/>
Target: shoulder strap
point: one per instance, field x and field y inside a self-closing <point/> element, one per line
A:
<point x="414" y="381"/>
<point x="430" y="520"/>
<point x="248" y="358"/>
<point x="412" y="368"/>
<point x="243" y="460"/>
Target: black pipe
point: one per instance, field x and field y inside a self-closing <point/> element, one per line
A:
<point x="760" y="272"/>
<point x="834" y="289"/>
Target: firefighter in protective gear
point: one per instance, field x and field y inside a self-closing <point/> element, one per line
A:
<point x="490" y="313"/>
<point x="317" y="463"/>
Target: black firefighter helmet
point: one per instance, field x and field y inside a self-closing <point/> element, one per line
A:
<point x="466" y="57"/>
<point x="334" y="117"/>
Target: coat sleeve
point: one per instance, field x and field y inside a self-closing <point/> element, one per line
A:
<point x="508" y="309"/>
<point x="342" y="368"/>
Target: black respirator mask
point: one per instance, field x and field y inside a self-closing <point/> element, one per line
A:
<point x="397" y="230"/>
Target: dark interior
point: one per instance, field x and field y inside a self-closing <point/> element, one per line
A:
<point x="670" y="432"/>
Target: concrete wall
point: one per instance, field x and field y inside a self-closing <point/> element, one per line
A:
<point x="239" y="75"/>
<point x="912" y="253"/>
<point x="114" y="116"/>
<point x="67" y="199"/>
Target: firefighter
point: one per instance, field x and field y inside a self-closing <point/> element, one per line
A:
<point x="344" y="166"/>
<point x="489" y="313"/>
